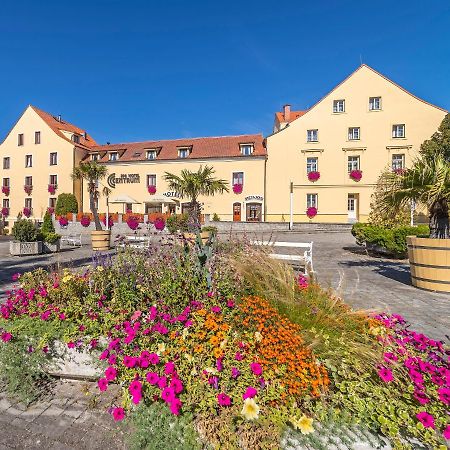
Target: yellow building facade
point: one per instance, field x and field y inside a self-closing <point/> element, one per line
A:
<point x="365" y="124"/>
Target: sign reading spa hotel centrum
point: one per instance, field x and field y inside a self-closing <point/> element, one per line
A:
<point x="123" y="179"/>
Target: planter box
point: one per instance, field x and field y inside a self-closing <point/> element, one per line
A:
<point x="101" y="240"/>
<point x="429" y="260"/>
<point x="25" y="248"/>
<point x="52" y="248"/>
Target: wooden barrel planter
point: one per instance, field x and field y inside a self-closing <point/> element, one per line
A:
<point x="204" y="235"/>
<point x="429" y="260"/>
<point x="101" y="240"/>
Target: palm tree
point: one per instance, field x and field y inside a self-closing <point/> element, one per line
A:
<point x="191" y="185"/>
<point x="427" y="183"/>
<point x="91" y="172"/>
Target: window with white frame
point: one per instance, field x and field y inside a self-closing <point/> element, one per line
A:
<point x="53" y="180"/>
<point x="338" y="106"/>
<point x="29" y="203"/>
<point x="95" y="157"/>
<point x="353" y="133"/>
<point x="76" y="138"/>
<point x="52" y="202"/>
<point x="311" y="200"/>
<point x="238" y="178"/>
<point x="183" y="152"/>
<point x="246" y="149"/>
<point x="6" y="182"/>
<point x="6" y="203"/>
<point x="312" y="135"/>
<point x="20" y="139"/>
<point x="53" y="159"/>
<point x="353" y="163"/>
<point x="398" y="130"/>
<point x="6" y="163"/>
<point x="28" y="181"/>
<point x="151" y="154"/>
<point x="374" y="103"/>
<point x="151" y="180"/>
<point x="312" y="164"/>
<point x="398" y="162"/>
<point x="37" y="137"/>
<point x="28" y="160"/>
<point x="113" y="156"/>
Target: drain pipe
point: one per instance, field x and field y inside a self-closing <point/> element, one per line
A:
<point x="291" y="206"/>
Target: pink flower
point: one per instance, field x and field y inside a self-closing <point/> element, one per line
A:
<point x="153" y="358"/>
<point x="176" y="385"/>
<point x="136" y="398"/>
<point x="6" y="337"/>
<point x="162" y="382"/>
<point x="389" y="357"/>
<point x="175" y="406"/>
<point x="169" y="368"/>
<point x="135" y="388"/>
<point x="168" y="394"/>
<point x="118" y="414"/>
<point x="110" y="373"/>
<point x="104" y="354"/>
<point x="15" y="276"/>
<point x="421" y="397"/>
<point x="71" y="344"/>
<point x="216" y="309"/>
<point x="427" y="420"/>
<point x="136" y="315"/>
<point x="235" y="372"/>
<point x="386" y="374"/>
<point x="238" y="356"/>
<point x="446" y="432"/>
<point x="152" y="377"/>
<point x="112" y="359"/>
<point x="223" y="399"/>
<point x="249" y="393"/>
<point x="256" y="369"/>
<point x="230" y="304"/>
<point x="444" y="395"/>
<point x="102" y="384"/>
<point x="129" y="361"/>
<point x="219" y="365"/>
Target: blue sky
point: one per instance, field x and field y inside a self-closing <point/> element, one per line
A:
<point x="136" y="70"/>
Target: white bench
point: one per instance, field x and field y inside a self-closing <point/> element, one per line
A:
<point x="305" y="259"/>
<point x="72" y="239"/>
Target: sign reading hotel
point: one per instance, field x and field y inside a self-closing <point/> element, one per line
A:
<point x="257" y="198"/>
<point x="123" y="179"/>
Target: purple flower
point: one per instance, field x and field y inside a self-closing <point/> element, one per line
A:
<point x="385" y="374"/>
<point x="102" y="384"/>
<point x="162" y="382"/>
<point x="110" y="373"/>
<point x="152" y="378"/>
<point x="153" y="358"/>
<point x="238" y="356"/>
<point x="223" y="399"/>
<point x="427" y="420"/>
<point x="249" y="393"/>
<point x="129" y="361"/>
<point x="214" y="381"/>
<point x="446" y="432"/>
<point x="444" y="395"/>
<point x="176" y="385"/>
<point x="235" y="372"/>
<point x="421" y="397"/>
<point x="256" y="369"/>
<point x="169" y="368"/>
<point x="216" y="309"/>
<point x="390" y="357"/>
<point x="168" y="394"/>
<point x="219" y="365"/>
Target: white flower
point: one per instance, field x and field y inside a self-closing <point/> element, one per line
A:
<point x="185" y="333"/>
<point x="161" y="349"/>
<point x="250" y="410"/>
<point x="211" y="370"/>
<point x="188" y="357"/>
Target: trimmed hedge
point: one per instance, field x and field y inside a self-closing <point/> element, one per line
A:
<point x="177" y="222"/>
<point x="66" y="203"/>
<point x="392" y="241"/>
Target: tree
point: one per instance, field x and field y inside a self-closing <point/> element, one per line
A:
<point x="191" y="185"/>
<point x="92" y="173"/>
<point x="47" y="225"/>
<point x="426" y="182"/>
<point x="66" y="203"/>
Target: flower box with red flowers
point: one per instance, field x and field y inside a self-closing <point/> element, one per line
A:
<point x="313" y="176"/>
<point x="355" y="175"/>
<point x="133" y="223"/>
<point x="311" y="212"/>
<point x="26" y="212"/>
<point x="5" y="212"/>
<point x="85" y="221"/>
<point x="237" y="188"/>
<point x="52" y="188"/>
<point x="151" y="189"/>
<point x="399" y="171"/>
<point x="63" y="221"/>
<point x="6" y="190"/>
<point x="28" y="189"/>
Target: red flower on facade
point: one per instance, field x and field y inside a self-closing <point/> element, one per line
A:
<point x="28" y="189"/>
<point x="26" y="212"/>
<point x="311" y="212"/>
<point x="52" y="188"/>
<point x="6" y="190"/>
<point x="237" y="188"/>
<point x="5" y="212"/>
<point x="355" y="175"/>
<point x="151" y="189"/>
<point x="314" y="175"/>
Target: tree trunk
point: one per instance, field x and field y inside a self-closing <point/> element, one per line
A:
<point x="439" y="220"/>
<point x="98" y="225"/>
<point x="194" y="217"/>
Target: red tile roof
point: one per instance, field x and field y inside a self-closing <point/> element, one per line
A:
<point x="279" y="116"/>
<point x="205" y="147"/>
<point x="59" y="126"/>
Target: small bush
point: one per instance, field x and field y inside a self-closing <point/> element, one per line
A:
<point x="47" y="226"/>
<point x="66" y="203"/>
<point x="215" y="218"/>
<point x="51" y="238"/>
<point x="210" y="229"/>
<point x="177" y="222"/>
<point x="25" y="231"/>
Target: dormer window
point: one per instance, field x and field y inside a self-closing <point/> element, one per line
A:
<point x="151" y="154"/>
<point x="76" y="138"/>
<point x="183" y="152"/>
<point x="246" y="149"/>
<point x="113" y="156"/>
<point x="95" y="157"/>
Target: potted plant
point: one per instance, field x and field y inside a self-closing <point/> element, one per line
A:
<point x="92" y="173"/>
<point x="313" y="176"/>
<point x="311" y="212"/>
<point x="85" y="221"/>
<point x="52" y="189"/>
<point x="427" y="183"/>
<point x="6" y="190"/>
<point x="237" y="188"/>
<point x="191" y="185"/>
<point x="151" y="189"/>
<point x="52" y="240"/>
<point x="27" y="238"/>
<point x="26" y="212"/>
<point x="355" y="174"/>
<point x="28" y="189"/>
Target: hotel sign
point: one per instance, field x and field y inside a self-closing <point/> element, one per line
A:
<point x="123" y="179"/>
<point x="257" y="198"/>
<point x="171" y="194"/>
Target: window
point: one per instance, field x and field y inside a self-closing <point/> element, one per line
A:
<point x="312" y="135"/>
<point x="338" y="106"/>
<point x="374" y="103"/>
<point x="151" y="180"/>
<point x="246" y="149"/>
<point x="6" y="203"/>
<point x="76" y="138"/>
<point x="20" y="139"/>
<point x="54" y="180"/>
<point x="53" y="159"/>
<point x="52" y="202"/>
<point x="6" y="162"/>
<point x="28" y="181"/>
<point x="398" y="162"/>
<point x="28" y="160"/>
<point x="37" y="137"/>
<point x="113" y="156"/>
<point x="238" y="178"/>
<point x="29" y="203"/>
<point x="95" y="157"/>
<point x="311" y="201"/>
<point x="151" y="154"/>
<point x="398" y="131"/>
<point x="353" y="134"/>
<point x="312" y="164"/>
<point x="353" y="163"/>
<point x="183" y="152"/>
<point x="6" y="182"/>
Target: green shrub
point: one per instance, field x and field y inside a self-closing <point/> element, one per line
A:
<point x="51" y="238"/>
<point x="66" y="203"/>
<point x="24" y="230"/>
<point x="215" y="218"/>
<point x="210" y="229"/>
<point x="47" y="226"/>
<point x="177" y="222"/>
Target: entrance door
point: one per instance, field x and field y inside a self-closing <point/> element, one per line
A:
<point x="352" y="207"/>
<point x="254" y="212"/>
<point x="236" y="212"/>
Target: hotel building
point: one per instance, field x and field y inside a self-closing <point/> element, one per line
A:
<point x="365" y="124"/>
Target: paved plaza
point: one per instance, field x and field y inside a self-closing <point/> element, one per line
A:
<point x="73" y="415"/>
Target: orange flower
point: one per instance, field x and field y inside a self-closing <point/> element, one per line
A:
<point x="214" y="340"/>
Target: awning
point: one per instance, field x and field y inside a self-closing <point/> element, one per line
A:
<point x="160" y="199"/>
<point x="124" y="199"/>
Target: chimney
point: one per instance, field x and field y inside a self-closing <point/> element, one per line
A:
<point x="287" y="112"/>
<point x="59" y="118"/>
<point x="85" y="134"/>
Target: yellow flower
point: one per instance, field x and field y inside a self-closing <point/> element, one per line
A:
<point x="161" y="348"/>
<point x="211" y="370"/>
<point x="188" y="357"/>
<point x="304" y="424"/>
<point x="258" y="336"/>
<point x="67" y="278"/>
<point x="250" y="410"/>
<point x="100" y="268"/>
<point x="185" y="333"/>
